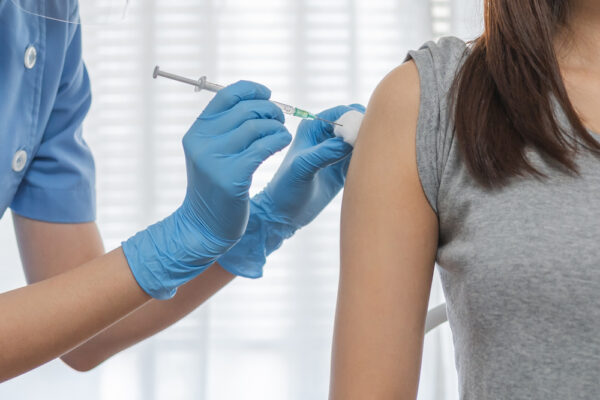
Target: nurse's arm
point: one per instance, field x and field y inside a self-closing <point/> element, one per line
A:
<point x="42" y="321"/>
<point x="388" y="245"/>
<point x="50" y="249"/>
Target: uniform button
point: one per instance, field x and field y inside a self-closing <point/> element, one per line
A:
<point x="19" y="161"/>
<point x="30" y="57"/>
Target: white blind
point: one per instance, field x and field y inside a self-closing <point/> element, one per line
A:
<point x="264" y="339"/>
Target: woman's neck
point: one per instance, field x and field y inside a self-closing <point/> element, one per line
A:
<point x="578" y="44"/>
<point x="578" y="51"/>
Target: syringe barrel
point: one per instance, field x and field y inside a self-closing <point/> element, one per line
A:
<point x="213" y="87"/>
<point x="287" y="109"/>
<point x="203" y="84"/>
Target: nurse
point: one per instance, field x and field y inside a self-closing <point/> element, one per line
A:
<point x="83" y="304"/>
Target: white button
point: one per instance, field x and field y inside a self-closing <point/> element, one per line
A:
<point x="30" y="57"/>
<point x="19" y="161"/>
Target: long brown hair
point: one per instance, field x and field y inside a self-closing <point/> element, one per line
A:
<point x="503" y="93"/>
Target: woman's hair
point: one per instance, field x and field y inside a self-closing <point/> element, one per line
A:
<point x="503" y="93"/>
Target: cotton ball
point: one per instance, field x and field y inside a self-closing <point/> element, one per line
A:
<point x="350" y="122"/>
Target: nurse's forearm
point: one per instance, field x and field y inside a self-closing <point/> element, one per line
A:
<point x="49" y="249"/>
<point x="45" y="320"/>
<point x="153" y="317"/>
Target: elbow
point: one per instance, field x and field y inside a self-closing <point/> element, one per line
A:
<point x="79" y="361"/>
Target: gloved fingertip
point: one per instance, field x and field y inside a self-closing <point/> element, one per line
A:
<point x="338" y="142"/>
<point x="358" y="107"/>
<point x="343" y="148"/>
<point x="280" y="116"/>
<point x="288" y="140"/>
<point x="337" y="110"/>
<point x="329" y="152"/>
<point x="261" y="92"/>
<point x="285" y="133"/>
<point x="333" y="114"/>
<point x="281" y="140"/>
<point x="347" y="147"/>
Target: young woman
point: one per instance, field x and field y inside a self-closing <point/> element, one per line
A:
<point x="484" y="158"/>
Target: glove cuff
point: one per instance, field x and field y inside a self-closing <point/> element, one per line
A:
<point x="262" y="237"/>
<point x="158" y="261"/>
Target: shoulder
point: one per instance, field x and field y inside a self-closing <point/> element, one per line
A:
<point x="384" y="155"/>
<point x="408" y="119"/>
<point x="446" y="51"/>
<point x="425" y="76"/>
<point x="439" y="62"/>
<point x="395" y="101"/>
<point x="383" y="173"/>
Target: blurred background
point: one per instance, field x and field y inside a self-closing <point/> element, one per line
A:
<point x="268" y="339"/>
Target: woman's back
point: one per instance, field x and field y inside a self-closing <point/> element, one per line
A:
<point x="519" y="265"/>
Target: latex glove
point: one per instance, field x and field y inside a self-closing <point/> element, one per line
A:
<point x="237" y="131"/>
<point x="310" y="176"/>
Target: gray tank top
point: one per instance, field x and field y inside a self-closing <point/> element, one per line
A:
<point x="520" y="266"/>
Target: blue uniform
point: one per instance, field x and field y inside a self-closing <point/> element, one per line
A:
<point x="46" y="168"/>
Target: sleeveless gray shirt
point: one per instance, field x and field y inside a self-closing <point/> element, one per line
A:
<point x="519" y="266"/>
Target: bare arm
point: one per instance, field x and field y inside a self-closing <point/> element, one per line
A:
<point x="49" y="249"/>
<point x="42" y="321"/>
<point x="388" y="246"/>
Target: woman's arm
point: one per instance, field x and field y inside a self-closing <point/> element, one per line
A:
<point x="44" y="320"/>
<point x="49" y="249"/>
<point x="388" y="247"/>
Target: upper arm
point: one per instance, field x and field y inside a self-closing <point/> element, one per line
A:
<point x="59" y="181"/>
<point x="388" y="248"/>
<point x="48" y="249"/>
<point x="54" y="206"/>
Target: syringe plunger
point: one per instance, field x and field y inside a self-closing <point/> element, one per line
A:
<point x="204" y="84"/>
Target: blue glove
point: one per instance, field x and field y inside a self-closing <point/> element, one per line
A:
<point x="237" y="131"/>
<point x="310" y="176"/>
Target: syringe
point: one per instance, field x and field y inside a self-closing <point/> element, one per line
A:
<point x="203" y="84"/>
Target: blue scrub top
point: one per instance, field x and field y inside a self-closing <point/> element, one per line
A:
<point x="46" y="168"/>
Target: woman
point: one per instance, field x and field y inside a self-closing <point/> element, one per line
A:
<point x="484" y="159"/>
<point x="84" y="305"/>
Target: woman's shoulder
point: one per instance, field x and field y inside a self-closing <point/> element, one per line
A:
<point x="444" y="49"/>
<point x="416" y="94"/>
<point x="438" y="62"/>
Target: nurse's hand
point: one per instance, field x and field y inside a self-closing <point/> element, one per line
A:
<point x="237" y="131"/>
<point x="311" y="175"/>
